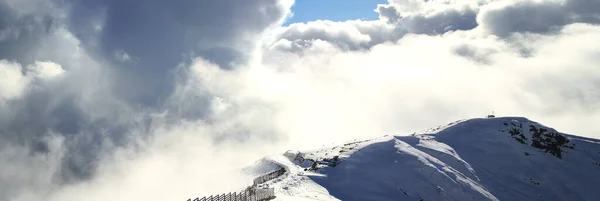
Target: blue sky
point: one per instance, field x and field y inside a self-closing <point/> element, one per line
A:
<point x="334" y="10"/>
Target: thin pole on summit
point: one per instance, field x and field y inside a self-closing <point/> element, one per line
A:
<point x="491" y="115"/>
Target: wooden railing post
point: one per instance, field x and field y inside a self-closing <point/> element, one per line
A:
<point x="252" y="193"/>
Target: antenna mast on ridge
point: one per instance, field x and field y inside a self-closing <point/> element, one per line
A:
<point x="491" y="115"/>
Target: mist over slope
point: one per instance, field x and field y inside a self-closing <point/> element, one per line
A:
<point x="509" y="158"/>
<point x="165" y="100"/>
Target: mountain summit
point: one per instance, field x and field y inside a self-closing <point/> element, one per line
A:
<point x="507" y="158"/>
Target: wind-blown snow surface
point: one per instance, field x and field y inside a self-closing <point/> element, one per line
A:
<point x="509" y="158"/>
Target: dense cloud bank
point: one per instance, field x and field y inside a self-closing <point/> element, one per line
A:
<point x="113" y="99"/>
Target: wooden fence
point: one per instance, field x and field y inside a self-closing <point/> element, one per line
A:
<point x="263" y="178"/>
<point x="249" y="194"/>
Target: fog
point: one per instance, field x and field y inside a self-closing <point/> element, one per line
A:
<point x="115" y="100"/>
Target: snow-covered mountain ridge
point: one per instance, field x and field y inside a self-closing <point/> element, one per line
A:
<point x="508" y="158"/>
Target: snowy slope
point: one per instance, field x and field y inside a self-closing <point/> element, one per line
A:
<point x="509" y="158"/>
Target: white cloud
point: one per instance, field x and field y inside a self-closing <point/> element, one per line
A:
<point x="421" y="80"/>
<point x="122" y="56"/>
<point x="349" y="35"/>
<point x="29" y="176"/>
<point x="177" y="163"/>
<point x="430" y="17"/>
<point x="46" y="69"/>
<point x="307" y="84"/>
<point x="12" y="80"/>
<point x="546" y="16"/>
